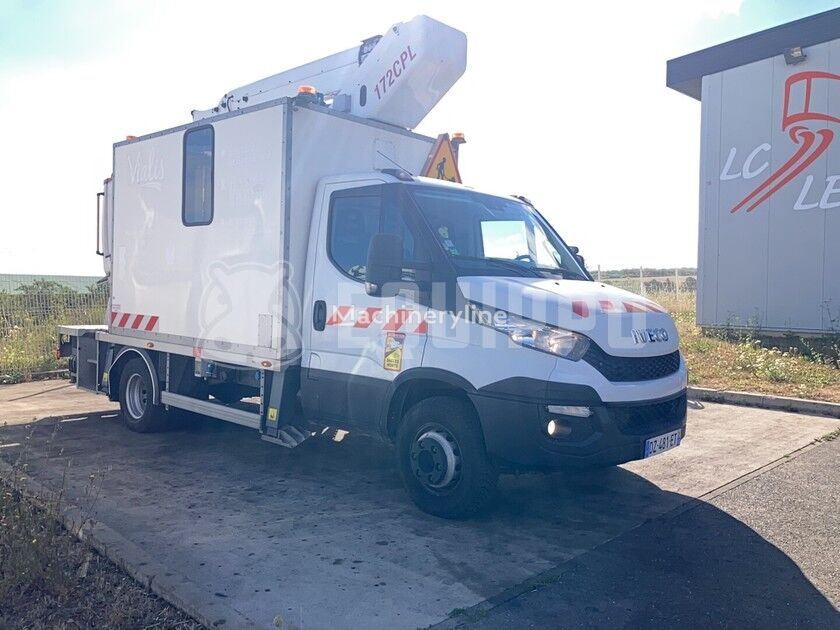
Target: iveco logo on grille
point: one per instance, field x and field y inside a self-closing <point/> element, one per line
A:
<point x="649" y="335"/>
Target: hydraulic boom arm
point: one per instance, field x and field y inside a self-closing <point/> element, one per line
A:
<point x="396" y="78"/>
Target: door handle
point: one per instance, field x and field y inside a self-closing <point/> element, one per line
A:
<point x="319" y="315"/>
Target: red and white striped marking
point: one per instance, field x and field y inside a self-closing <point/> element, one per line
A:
<point x="581" y="308"/>
<point x="134" y="321"/>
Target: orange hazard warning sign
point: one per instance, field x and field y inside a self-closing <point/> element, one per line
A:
<point x="441" y="163"/>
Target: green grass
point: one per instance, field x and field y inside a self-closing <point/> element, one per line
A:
<point x="830" y="437"/>
<point x="29" y="346"/>
<point x="749" y="361"/>
<point x="29" y="319"/>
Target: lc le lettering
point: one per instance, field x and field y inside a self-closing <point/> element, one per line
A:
<point x="813" y="194"/>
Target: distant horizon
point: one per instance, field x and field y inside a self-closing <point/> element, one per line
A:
<point x="6" y="279"/>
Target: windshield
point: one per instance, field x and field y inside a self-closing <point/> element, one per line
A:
<point x="486" y="235"/>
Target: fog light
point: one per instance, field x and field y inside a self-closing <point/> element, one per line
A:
<point x="555" y="428"/>
<point x="569" y="410"/>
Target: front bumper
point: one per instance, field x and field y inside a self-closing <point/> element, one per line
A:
<point x="514" y="416"/>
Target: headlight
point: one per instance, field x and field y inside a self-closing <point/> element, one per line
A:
<point x="532" y="334"/>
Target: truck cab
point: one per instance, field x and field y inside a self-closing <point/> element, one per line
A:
<point x="460" y="326"/>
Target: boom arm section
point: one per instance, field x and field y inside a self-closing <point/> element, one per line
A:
<point x="397" y="78"/>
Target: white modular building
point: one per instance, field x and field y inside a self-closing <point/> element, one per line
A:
<point x="769" y="176"/>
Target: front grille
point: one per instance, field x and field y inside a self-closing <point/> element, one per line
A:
<point x="649" y="418"/>
<point x="624" y="369"/>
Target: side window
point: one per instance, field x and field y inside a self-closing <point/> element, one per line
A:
<point x="197" y="191"/>
<point x="353" y="222"/>
<point x="358" y="214"/>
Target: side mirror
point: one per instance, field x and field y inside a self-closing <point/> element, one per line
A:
<point x="576" y="253"/>
<point x="383" y="271"/>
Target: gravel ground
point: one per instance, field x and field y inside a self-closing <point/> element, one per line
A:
<point x="49" y="579"/>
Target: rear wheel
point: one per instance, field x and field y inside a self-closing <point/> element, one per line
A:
<point x="136" y="398"/>
<point x="443" y="460"/>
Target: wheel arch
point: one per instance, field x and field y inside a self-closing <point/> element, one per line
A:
<point x="117" y="365"/>
<point x="415" y="385"/>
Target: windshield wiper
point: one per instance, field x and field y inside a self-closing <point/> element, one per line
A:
<point x="502" y="262"/>
<point x="565" y="273"/>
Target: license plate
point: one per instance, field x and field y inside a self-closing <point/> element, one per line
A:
<point x="661" y="443"/>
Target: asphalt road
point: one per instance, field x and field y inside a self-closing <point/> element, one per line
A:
<point x="324" y="536"/>
<point x="762" y="554"/>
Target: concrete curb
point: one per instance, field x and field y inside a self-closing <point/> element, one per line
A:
<point x="175" y="588"/>
<point x="764" y="401"/>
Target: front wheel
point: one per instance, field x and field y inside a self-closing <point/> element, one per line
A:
<point x="441" y="456"/>
<point x="138" y="410"/>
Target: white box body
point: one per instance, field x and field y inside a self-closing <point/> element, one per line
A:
<point x="233" y="288"/>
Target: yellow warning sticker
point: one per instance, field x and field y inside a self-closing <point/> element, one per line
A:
<point x="394" y="342"/>
<point x="272" y="414"/>
<point x="441" y="163"/>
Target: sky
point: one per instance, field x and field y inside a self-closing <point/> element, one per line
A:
<point x="566" y="106"/>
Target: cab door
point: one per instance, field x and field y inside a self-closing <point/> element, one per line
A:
<point x="359" y="343"/>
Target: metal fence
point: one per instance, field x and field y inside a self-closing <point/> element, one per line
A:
<point x="650" y="281"/>
<point x="30" y="313"/>
<point x="674" y="289"/>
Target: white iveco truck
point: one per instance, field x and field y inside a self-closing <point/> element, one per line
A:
<point x="280" y="263"/>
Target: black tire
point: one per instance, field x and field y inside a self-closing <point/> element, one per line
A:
<point x="445" y="420"/>
<point x="139" y="413"/>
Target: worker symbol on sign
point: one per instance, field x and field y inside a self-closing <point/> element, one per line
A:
<point x="441" y="163"/>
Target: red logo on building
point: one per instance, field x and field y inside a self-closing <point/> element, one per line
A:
<point x="798" y="109"/>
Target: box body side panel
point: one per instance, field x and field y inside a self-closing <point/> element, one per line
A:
<point x="212" y="286"/>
